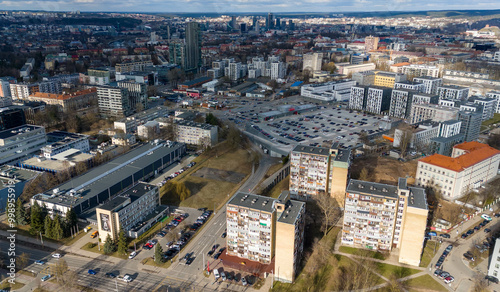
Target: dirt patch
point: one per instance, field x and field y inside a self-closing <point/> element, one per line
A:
<point x="219" y="174"/>
<point x="384" y="169"/>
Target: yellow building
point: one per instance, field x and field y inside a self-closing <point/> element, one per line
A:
<point x="383" y="217"/>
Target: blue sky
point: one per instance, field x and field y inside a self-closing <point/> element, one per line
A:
<point x="225" y="6"/>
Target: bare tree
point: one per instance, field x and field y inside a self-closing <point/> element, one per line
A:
<point x="404" y="136"/>
<point x="329" y="208"/>
<point x="22" y="261"/>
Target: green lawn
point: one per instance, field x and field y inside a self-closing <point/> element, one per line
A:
<point x="96" y="250"/>
<point x="425" y="283"/>
<point x="430" y="249"/>
<point x="278" y="188"/>
<point x="494" y="120"/>
<point x="356" y="251"/>
<point x="387" y="270"/>
<point x="11" y="287"/>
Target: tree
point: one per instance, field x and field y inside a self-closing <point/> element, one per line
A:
<point x="57" y="231"/>
<point x="37" y="219"/>
<point x="364" y="175"/>
<point x="20" y="213"/>
<point x="22" y="261"/>
<point x="109" y="245"/>
<point x="329" y="208"/>
<point x="71" y="218"/>
<point x="60" y="269"/>
<point x="158" y="254"/>
<point x="122" y="242"/>
<point x="211" y="119"/>
<point x="49" y="227"/>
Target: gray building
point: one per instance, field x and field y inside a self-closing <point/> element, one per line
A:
<point x="471" y="124"/>
<point x="357" y="99"/>
<point x="494" y="267"/>
<point x="489" y="106"/>
<point x="453" y="92"/>
<point x="19" y="142"/>
<point x="13" y="178"/>
<point x="431" y="84"/>
<point x="378" y="99"/>
<point x="137" y="94"/>
<point x="113" y="101"/>
<point x="86" y="192"/>
<point x="401" y="103"/>
<point x="193" y="46"/>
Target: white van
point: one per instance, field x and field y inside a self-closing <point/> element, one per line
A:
<point x="216" y="274"/>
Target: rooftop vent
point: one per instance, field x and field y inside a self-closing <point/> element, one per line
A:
<point x="360" y="186"/>
<point x="384" y="190"/>
<point x="372" y="188"/>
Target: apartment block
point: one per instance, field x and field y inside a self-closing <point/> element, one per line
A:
<point x="256" y="225"/>
<point x="319" y="170"/>
<point x="137" y="94"/>
<point x="134" y="210"/>
<point x="196" y="133"/>
<point x="378" y="78"/>
<point x="328" y="91"/>
<point x="431" y="84"/>
<point x="132" y="66"/>
<point x="113" y="101"/>
<point x="358" y="97"/>
<point x="419" y="87"/>
<point x="436" y="113"/>
<point x="453" y="92"/>
<point x="494" y="267"/>
<point x="422" y="133"/>
<point x="471" y="124"/>
<point x="471" y="164"/>
<point x="425" y="98"/>
<point x="312" y="62"/>
<point x="371" y="43"/>
<point x="489" y="106"/>
<point x="278" y="70"/>
<point x="378" y="99"/>
<point x="348" y="69"/>
<point x="382" y="217"/>
<point x="401" y="103"/>
<point x="495" y="95"/>
<point x="419" y="70"/>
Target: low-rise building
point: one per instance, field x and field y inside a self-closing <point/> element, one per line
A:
<point x="129" y="124"/>
<point x="471" y="164"/>
<point x="18" y="142"/>
<point x="196" y="133"/>
<point x="149" y="130"/>
<point x="64" y="161"/>
<point x="12" y="181"/>
<point x="495" y="95"/>
<point x="378" y="78"/>
<point x="329" y="91"/>
<point x="60" y="141"/>
<point x="382" y="217"/>
<point x="134" y="210"/>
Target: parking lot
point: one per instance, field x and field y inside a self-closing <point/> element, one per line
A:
<point x="325" y="124"/>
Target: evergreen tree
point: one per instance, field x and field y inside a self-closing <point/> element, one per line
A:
<point x="158" y="254"/>
<point x="49" y="227"/>
<point x="57" y="231"/>
<point x="37" y="221"/>
<point x="122" y="242"/>
<point x="211" y="119"/>
<point x="20" y="213"/>
<point x="70" y="221"/>
<point x="109" y="245"/>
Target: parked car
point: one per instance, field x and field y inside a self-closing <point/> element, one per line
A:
<point x="487" y="230"/>
<point x="223" y="276"/>
<point x="46" y="278"/>
<point x="438" y="272"/>
<point x="486" y="217"/>
<point x="110" y="275"/>
<point x="92" y="272"/>
<point x="492" y="279"/>
<point x="127" y="278"/>
<point x="224" y="235"/>
<point x="216" y="274"/>
<point x="132" y="255"/>
<point x="244" y="281"/>
<point x="57" y="255"/>
<point x="39" y="262"/>
<point x="445" y="235"/>
<point x="449" y="279"/>
<point x="449" y="248"/>
<point x="432" y="233"/>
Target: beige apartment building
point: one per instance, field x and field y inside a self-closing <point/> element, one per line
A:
<point x="383" y="217"/>
<point x="471" y="164"/>
<point x="196" y="133"/>
<point x="316" y="170"/>
<point x="261" y="229"/>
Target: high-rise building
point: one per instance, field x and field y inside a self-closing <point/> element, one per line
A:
<point x="419" y="87"/>
<point x="193" y="47"/>
<point x="11" y="118"/>
<point x="262" y="228"/>
<point x="378" y="99"/>
<point x="291" y="25"/>
<point x="382" y="217"/>
<point x="177" y="54"/>
<point x="471" y="124"/>
<point x="489" y="105"/>
<point x="312" y="62"/>
<point x="453" y="92"/>
<point x="269" y="21"/>
<point x="401" y="103"/>
<point x="278" y="70"/>
<point x="137" y="94"/>
<point x="357" y="100"/>
<point x="495" y="95"/>
<point x="431" y="84"/>
<point x="5" y="83"/>
<point x="113" y="101"/>
<point x="371" y="43"/>
<point x="319" y="170"/>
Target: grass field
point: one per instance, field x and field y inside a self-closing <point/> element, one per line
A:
<point x="494" y="120"/>
<point x="387" y="270"/>
<point x="425" y="283"/>
<point x="11" y="287"/>
<point x="384" y="169"/>
<point x="356" y="251"/>
<point x="205" y="193"/>
<point x="278" y="188"/>
<point x="430" y="249"/>
<point x="96" y="250"/>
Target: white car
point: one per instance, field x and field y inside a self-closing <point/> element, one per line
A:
<point x="127" y="278"/>
<point x="57" y="255"/>
<point x="132" y="255"/>
<point x="486" y="217"/>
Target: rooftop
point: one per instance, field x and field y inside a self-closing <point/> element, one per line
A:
<point x="18" y="130"/>
<point x="477" y="152"/>
<point x="292" y="210"/>
<point x="194" y="124"/>
<point x="372" y="188"/>
<point x="133" y="193"/>
<point x="246" y="200"/>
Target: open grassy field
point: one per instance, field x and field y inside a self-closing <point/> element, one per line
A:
<point x="206" y="192"/>
<point x="425" y="283"/>
<point x="90" y="247"/>
<point x="384" y="169"/>
<point x="11" y="287"/>
<point x="356" y="251"/>
<point x="494" y="120"/>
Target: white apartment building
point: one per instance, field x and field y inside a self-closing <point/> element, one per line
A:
<point x="113" y="101"/>
<point x="254" y="73"/>
<point x="350" y="69"/>
<point x="195" y="133"/>
<point x="419" y="87"/>
<point x="378" y="100"/>
<point x="21" y="141"/>
<point x="312" y="62"/>
<point x="489" y="106"/>
<point x="421" y="136"/>
<point x="149" y="130"/>
<point x="129" y="124"/>
<point x="357" y="99"/>
<point x="233" y="71"/>
<point x="278" y="70"/>
<point x="424" y="98"/>
<point x="431" y="84"/>
<point x="436" y="113"/>
<point x="453" y="92"/>
<point x="494" y="267"/>
<point x="401" y="103"/>
<point x="471" y="164"/>
<point x="495" y="95"/>
<point x="419" y="70"/>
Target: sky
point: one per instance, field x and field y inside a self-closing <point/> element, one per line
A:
<point x="228" y="6"/>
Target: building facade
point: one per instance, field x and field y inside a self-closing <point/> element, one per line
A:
<point x="113" y="101"/>
<point x="471" y="164"/>
<point x="382" y="217"/>
<point x="453" y="92"/>
<point x="431" y="84"/>
<point x="18" y="142"/>
<point x="196" y="133"/>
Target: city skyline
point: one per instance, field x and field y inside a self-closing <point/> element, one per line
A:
<point x="244" y="6"/>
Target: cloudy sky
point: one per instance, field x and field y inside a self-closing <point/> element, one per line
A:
<point x="226" y="6"/>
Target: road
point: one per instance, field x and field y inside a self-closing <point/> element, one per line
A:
<point x="456" y="265"/>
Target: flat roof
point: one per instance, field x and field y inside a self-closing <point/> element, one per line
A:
<point x="114" y="203"/>
<point x="197" y="80"/>
<point x="18" y="130"/>
<point x="417" y="198"/>
<point x="105" y="176"/>
<point x="194" y="124"/>
<point x="372" y="188"/>
<point x="252" y="201"/>
<point x="291" y="212"/>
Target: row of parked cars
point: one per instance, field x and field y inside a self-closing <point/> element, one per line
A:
<point x="175" y="174"/>
<point x="445" y="276"/>
<point x="230" y="276"/>
<point x="478" y="227"/>
<point x="446" y="252"/>
<point x="200" y="220"/>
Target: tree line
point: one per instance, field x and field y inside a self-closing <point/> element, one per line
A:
<point x="53" y="227"/>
